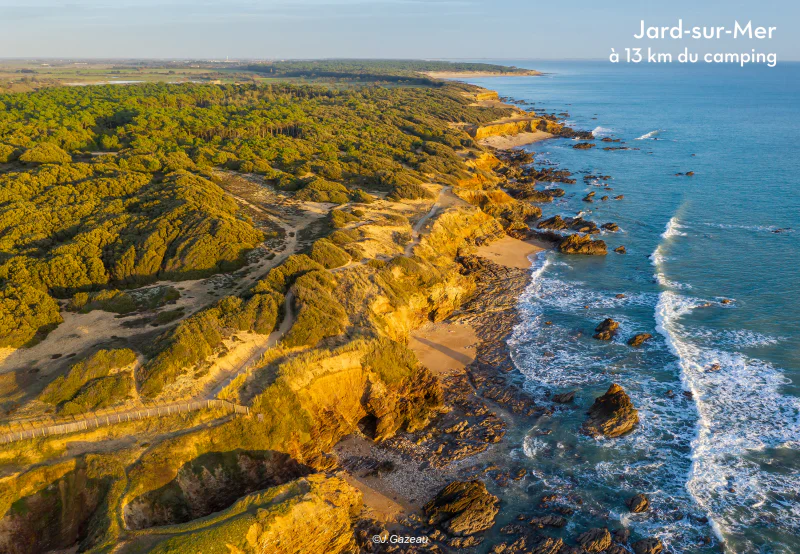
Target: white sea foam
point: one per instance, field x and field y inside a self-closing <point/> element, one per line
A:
<point x="601" y="132"/>
<point x="742" y="411"/>
<point x="673" y="229"/>
<point x="649" y="135"/>
<point x="555" y="358"/>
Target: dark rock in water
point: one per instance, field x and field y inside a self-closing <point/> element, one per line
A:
<point x="577" y="244"/>
<point x="648" y="546"/>
<point x="591" y="193"/>
<point x="548" y="521"/>
<point x="556" y="223"/>
<point x="621" y="535"/>
<point x="612" y="414"/>
<point x="688" y="394"/>
<point x="555" y="193"/>
<point x="546" y="236"/>
<point x="583" y="145"/>
<point x="726" y="301"/>
<point x="588" y="198"/>
<point x="564" y="398"/>
<point x="714" y="367"/>
<point x="610" y="226"/>
<point x="620" y="295"/>
<point x="616" y="549"/>
<point x="689" y="173"/>
<point x="619" y="197"/>
<point x="638" y="503"/>
<point x="465" y="542"/>
<point x="670" y="393"/>
<point x="639" y="339"/>
<point x="609" y="139"/>
<point x="604" y="198"/>
<point x="463" y="508"/>
<point x="606" y="330"/>
<point x="582" y="226"/>
<point x="595" y="540"/>
<point x="620" y="250"/>
<point x="548" y="545"/>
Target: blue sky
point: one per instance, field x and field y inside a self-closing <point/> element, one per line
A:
<point x="469" y="29"/>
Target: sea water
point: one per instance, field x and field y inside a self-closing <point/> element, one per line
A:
<point x="711" y="271"/>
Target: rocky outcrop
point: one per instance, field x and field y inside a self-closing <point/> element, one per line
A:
<point x="595" y="540"/>
<point x="557" y="223"/>
<point x="582" y="244"/>
<point x="564" y="398"/>
<point x="463" y="508"/>
<point x="548" y="521"/>
<point x="610" y="226"/>
<point x="583" y="145"/>
<point x="611" y="415"/>
<point x="508" y="127"/>
<point x="314" y="514"/>
<point x="639" y="339"/>
<point x="548" y="545"/>
<point x="648" y="546"/>
<point x="620" y="250"/>
<point x="211" y="483"/>
<point x="606" y="330"/>
<point x="638" y="503"/>
<point x="53" y="509"/>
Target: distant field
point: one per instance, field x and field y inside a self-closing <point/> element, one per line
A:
<point x="28" y="75"/>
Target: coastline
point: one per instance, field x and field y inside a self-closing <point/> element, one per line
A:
<point x="508" y="142"/>
<point x="478" y="74"/>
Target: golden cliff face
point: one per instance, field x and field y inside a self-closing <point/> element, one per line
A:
<point x="312" y="514"/>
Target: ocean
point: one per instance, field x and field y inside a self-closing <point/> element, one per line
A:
<point x="711" y="271"/>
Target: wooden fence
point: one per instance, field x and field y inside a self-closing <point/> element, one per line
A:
<point x="22" y="430"/>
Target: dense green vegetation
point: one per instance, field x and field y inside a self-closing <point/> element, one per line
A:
<point x="149" y="209"/>
<point x="387" y="71"/>
<point x="89" y="384"/>
<point x="328" y="254"/>
<point x="187" y="347"/>
<point x="123" y="302"/>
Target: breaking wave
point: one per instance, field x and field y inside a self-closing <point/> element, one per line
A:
<point x="742" y="413"/>
<point x="649" y="135"/>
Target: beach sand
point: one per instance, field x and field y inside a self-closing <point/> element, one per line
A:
<point x="506" y="142"/>
<point x="510" y="252"/>
<point x="443" y="347"/>
<point x="446" y="347"/>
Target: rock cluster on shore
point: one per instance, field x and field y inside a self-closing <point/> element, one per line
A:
<point x="463" y="508"/>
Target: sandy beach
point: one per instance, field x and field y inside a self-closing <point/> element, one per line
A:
<point x="509" y="252"/>
<point x="444" y="347"/>
<point x="506" y="142"/>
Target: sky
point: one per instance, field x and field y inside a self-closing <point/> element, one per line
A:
<point x="449" y="29"/>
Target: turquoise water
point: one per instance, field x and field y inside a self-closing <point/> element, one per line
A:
<point x="722" y="466"/>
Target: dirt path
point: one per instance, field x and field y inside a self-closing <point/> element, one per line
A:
<point x="415" y="231"/>
<point x="271" y="341"/>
